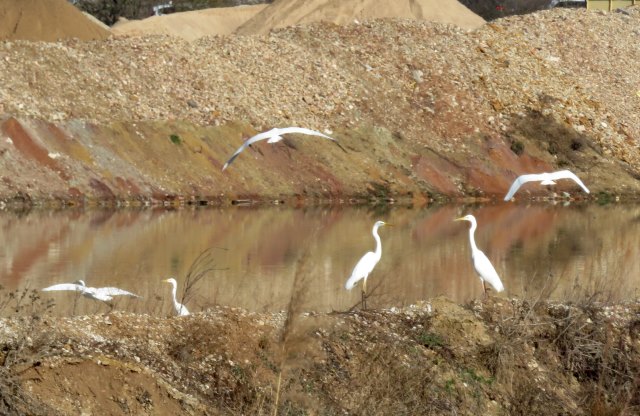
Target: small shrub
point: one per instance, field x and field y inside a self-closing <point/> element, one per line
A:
<point x="517" y="147"/>
<point x="604" y="198"/>
<point x="430" y="340"/>
<point x="175" y="139"/>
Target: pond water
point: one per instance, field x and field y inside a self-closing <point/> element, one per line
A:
<point x="261" y="257"/>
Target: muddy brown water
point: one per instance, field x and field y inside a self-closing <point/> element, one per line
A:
<point x="540" y="251"/>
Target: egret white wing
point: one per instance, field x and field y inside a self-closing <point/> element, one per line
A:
<point x="487" y="272"/>
<point x="260" y="136"/>
<point x="65" y="286"/>
<point x="567" y="174"/>
<point x="182" y="310"/>
<point x="521" y="180"/>
<point x="362" y="269"/>
<point x="302" y="130"/>
<point x="114" y="291"/>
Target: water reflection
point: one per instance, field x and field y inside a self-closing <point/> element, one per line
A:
<point x="539" y="251"/>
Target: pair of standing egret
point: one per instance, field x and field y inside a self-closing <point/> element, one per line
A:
<point x="481" y="262"/>
<point x="365" y="266"/>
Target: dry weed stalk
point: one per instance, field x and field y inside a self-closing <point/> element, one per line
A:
<point x="293" y="338"/>
<point x="200" y="267"/>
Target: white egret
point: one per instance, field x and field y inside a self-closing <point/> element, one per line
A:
<point x="181" y="310"/>
<point x="274" y="136"/>
<point x="366" y="264"/>
<point x="544" y="179"/>
<point x="104" y="294"/>
<point x="481" y="262"/>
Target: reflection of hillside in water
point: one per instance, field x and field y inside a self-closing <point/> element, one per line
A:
<point x="562" y="252"/>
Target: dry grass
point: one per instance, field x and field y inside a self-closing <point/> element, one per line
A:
<point x="22" y="350"/>
<point x="587" y="363"/>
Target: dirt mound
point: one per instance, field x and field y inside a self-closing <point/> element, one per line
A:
<point x="46" y="20"/>
<point x="468" y="109"/>
<point x="191" y="25"/>
<point x="284" y="13"/>
<point x="135" y="390"/>
<point x="493" y="357"/>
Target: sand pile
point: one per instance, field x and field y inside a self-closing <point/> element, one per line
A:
<point x="191" y="25"/>
<point x="284" y="13"/>
<point x="46" y="20"/>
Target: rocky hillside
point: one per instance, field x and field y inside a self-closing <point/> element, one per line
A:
<point x="422" y="109"/>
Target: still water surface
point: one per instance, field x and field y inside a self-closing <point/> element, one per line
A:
<point x="548" y="251"/>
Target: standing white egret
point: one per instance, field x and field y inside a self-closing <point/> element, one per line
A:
<point x="481" y="262"/>
<point x="274" y="136"/>
<point x="544" y="179"/>
<point x="104" y="294"/>
<point x="366" y="264"/>
<point x="181" y="310"/>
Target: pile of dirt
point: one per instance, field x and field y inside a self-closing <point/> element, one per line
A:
<point x="499" y="356"/>
<point x="46" y="20"/>
<point x="467" y="111"/>
<point x="283" y="13"/>
<point x="190" y="25"/>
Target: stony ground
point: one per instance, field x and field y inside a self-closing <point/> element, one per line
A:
<point x="554" y="89"/>
<point x="575" y="64"/>
<point x="492" y="357"/>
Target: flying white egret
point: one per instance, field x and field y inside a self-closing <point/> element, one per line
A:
<point x="274" y="136"/>
<point x="481" y="263"/>
<point x="181" y="310"/>
<point x="366" y="264"/>
<point x="104" y="294"/>
<point x="544" y="179"/>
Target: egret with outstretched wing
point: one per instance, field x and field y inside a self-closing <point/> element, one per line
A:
<point x="274" y="136"/>
<point x="544" y="179"/>
<point x="104" y="294"/>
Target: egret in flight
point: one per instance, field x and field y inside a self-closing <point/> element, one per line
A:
<point x="366" y="264"/>
<point x="104" y="294"/>
<point x="181" y="310"/>
<point x="544" y="179"/>
<point x="274" y="136"/>
<point x="481" y="263"/>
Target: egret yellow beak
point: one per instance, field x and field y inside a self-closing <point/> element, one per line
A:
<point x="165" y="280"/>
<point x="460" y="219"/>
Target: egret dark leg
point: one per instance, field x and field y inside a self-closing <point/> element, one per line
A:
<point x="484" y="288"/>
<point x="364" y="294"/>
<point x="110" y="305"/>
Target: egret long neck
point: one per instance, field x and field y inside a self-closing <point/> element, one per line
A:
<point x="174" y="291"/>
<point x="378" y="252"/>
<point x="472" y="240"/>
